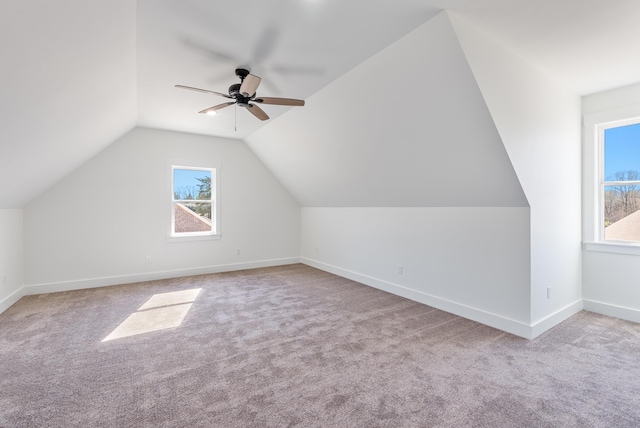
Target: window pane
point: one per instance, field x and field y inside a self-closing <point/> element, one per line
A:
<point x="191" y="184"/>
<point x="622" y="153"/>
<point x="192" y="217"/>
<point x="621" y="215"/>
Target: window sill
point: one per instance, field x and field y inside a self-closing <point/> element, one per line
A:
<point x="630" y="248"/>
<point x="191" y="238"/>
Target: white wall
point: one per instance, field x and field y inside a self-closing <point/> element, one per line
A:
<point x="539" y="123"/>
<point x="443" y="106"/>
<point x="10" y="257"/>
<point x="97" y="226"/>
<point x="409" y="130"/>
<point x="610" y="278"/>
<point x="626" y="96"/>
<point x="408" y="127"/>
<point x="470" y="261"/>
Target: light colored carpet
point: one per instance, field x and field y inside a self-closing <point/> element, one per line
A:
<point x="295" y="346"/>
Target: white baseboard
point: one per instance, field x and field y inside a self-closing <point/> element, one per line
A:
<point x="555" y="318"/>
<point x="615" y="311"/>
<point x="79" y="284"/>
<point x="11" y="299"/>
<point x="515" y="327"/>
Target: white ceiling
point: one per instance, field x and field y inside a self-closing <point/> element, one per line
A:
<point x="67" y="88"/>
<point x="588" y="45"/>
<point x="77" y="74"/>
<point x="296" y="46"/>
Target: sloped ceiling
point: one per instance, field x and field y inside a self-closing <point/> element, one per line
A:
<point x="296" y="46"/>
<point x="587" y="45"/>
<point x="67" y="88"/>
<point x="436" y="145"/>
<point x="77" y="74"/>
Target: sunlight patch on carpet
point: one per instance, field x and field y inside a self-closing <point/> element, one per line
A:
<point x="162" y="311"/>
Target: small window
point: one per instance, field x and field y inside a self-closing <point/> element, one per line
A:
<point x="194" y="204"/>
<point x="620" y="181"/>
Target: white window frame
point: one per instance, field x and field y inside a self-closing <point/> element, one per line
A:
<point x="594" y="180"/>
<point x="215" y="169"/>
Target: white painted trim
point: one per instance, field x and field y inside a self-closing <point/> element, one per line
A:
<point x="615" y="311"/>
<point x="517" y="328"/>
<point x="215" y="167"/>
<point x="11" y="299"/>
<point x="493" y="320"/>
<point x="592" y="170"/>
<point x="192" y="238"/>
<point x="555" y="318"/>
<point x="150" y="276"/>
<point x="631" y="248"/>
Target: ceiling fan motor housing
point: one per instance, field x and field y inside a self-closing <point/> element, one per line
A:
<point x="234" y="90"/>
<point x="242" y="73"/>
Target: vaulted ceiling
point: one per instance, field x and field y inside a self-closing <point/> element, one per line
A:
<point x="77" y="74"/>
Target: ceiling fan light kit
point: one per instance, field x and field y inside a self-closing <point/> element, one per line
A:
<point x="244" y="95"/>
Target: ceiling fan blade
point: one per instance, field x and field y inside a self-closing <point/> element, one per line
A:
<point x="279" y="101"/>
<point x="257" y="112"/>
<point x="250" y="85"/>
<point x="203" y="90"/>
<point x="218" y="107"/>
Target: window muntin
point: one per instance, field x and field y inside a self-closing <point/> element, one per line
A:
<point x="620" y="181"/>
<point x="194" y="209"/>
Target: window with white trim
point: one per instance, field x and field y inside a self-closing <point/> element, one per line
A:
<point x="619" y="181"/>
<point x="195" y="206"/>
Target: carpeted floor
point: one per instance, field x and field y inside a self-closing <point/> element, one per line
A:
<point x="295" y="346"/>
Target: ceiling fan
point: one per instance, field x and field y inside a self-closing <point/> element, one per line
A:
<point x="244" y="95"/>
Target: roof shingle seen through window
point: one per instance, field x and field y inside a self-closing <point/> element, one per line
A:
<point x="188" y="221"/>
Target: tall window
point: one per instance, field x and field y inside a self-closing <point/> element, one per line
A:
<point x="620" y="181"/>
<point x="194" y="203"/>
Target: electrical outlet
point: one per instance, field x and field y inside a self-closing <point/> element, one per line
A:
<point x="400" y="270"/>
<point x="148" y="259"/>
<point x="237" y="251"/>
<point x="548" y="292"/>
